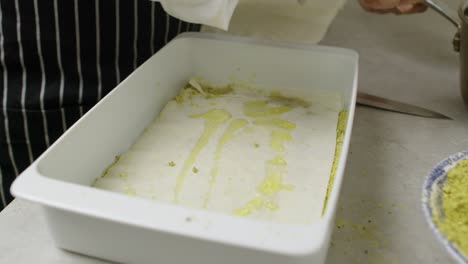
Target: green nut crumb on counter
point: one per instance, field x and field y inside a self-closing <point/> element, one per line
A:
<point x="454" y="223"/>
<point x="171" y="163"/>
<point x="195" y="170"/>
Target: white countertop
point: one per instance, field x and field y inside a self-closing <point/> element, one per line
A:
<point x="379" y="219"/>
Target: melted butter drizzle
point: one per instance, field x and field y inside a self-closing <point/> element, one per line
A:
<point x="261" y="109"/>
<point x="275" y="123"/>
<point x="277" y="166"/>
<point x="228" y="134"/>
<point x="213" y="120"/>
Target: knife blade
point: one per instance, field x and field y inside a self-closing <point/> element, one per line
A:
<point x="373" y="101"/>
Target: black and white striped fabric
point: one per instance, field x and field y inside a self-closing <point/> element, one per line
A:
<point x="58" y="58"/>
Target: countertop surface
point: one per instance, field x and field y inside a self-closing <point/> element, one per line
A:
<point x="379" y="219"/>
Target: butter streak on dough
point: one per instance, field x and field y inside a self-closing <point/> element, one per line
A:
<point x="235" y="126"/>
<point x="213" y="119"/>
<point x="276" y="167"/>
<point x="236" y="151"/>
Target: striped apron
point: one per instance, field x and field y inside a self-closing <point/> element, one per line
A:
<point x="58" y="58"/>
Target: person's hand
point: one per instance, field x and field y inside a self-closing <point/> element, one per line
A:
<point x="394" y="6"/>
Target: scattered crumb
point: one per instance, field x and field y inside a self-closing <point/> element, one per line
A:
<point x="195" y="170"/>
<point x="171" y="164"/>
<point x="130" y="191"/>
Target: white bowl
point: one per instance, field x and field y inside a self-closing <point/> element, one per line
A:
<point x="135" y="230"/>
<point x="431" y="200"/>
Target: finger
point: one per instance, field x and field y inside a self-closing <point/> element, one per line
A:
<point x="412" y="2"/>
<point x="407" y="9"/>
<point x="419" y="8"/>
<point x="379" y="4"/>
<point x="367" y="6"/>
<point x="393" y="6"/>
<point x="383" y="11"/>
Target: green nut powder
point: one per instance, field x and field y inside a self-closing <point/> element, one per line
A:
<point x="454" y="223"/>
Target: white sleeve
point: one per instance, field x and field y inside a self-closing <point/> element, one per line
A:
<point x="215" y="13"/>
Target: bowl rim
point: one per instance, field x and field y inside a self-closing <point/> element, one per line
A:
<point x="438" y="171"/>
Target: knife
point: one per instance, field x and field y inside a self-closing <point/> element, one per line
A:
<point x="395" y="106"/>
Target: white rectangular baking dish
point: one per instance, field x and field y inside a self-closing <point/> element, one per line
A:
<point x="135" y="230"/>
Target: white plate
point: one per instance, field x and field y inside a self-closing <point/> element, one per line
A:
<point x="431" y="200"/>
